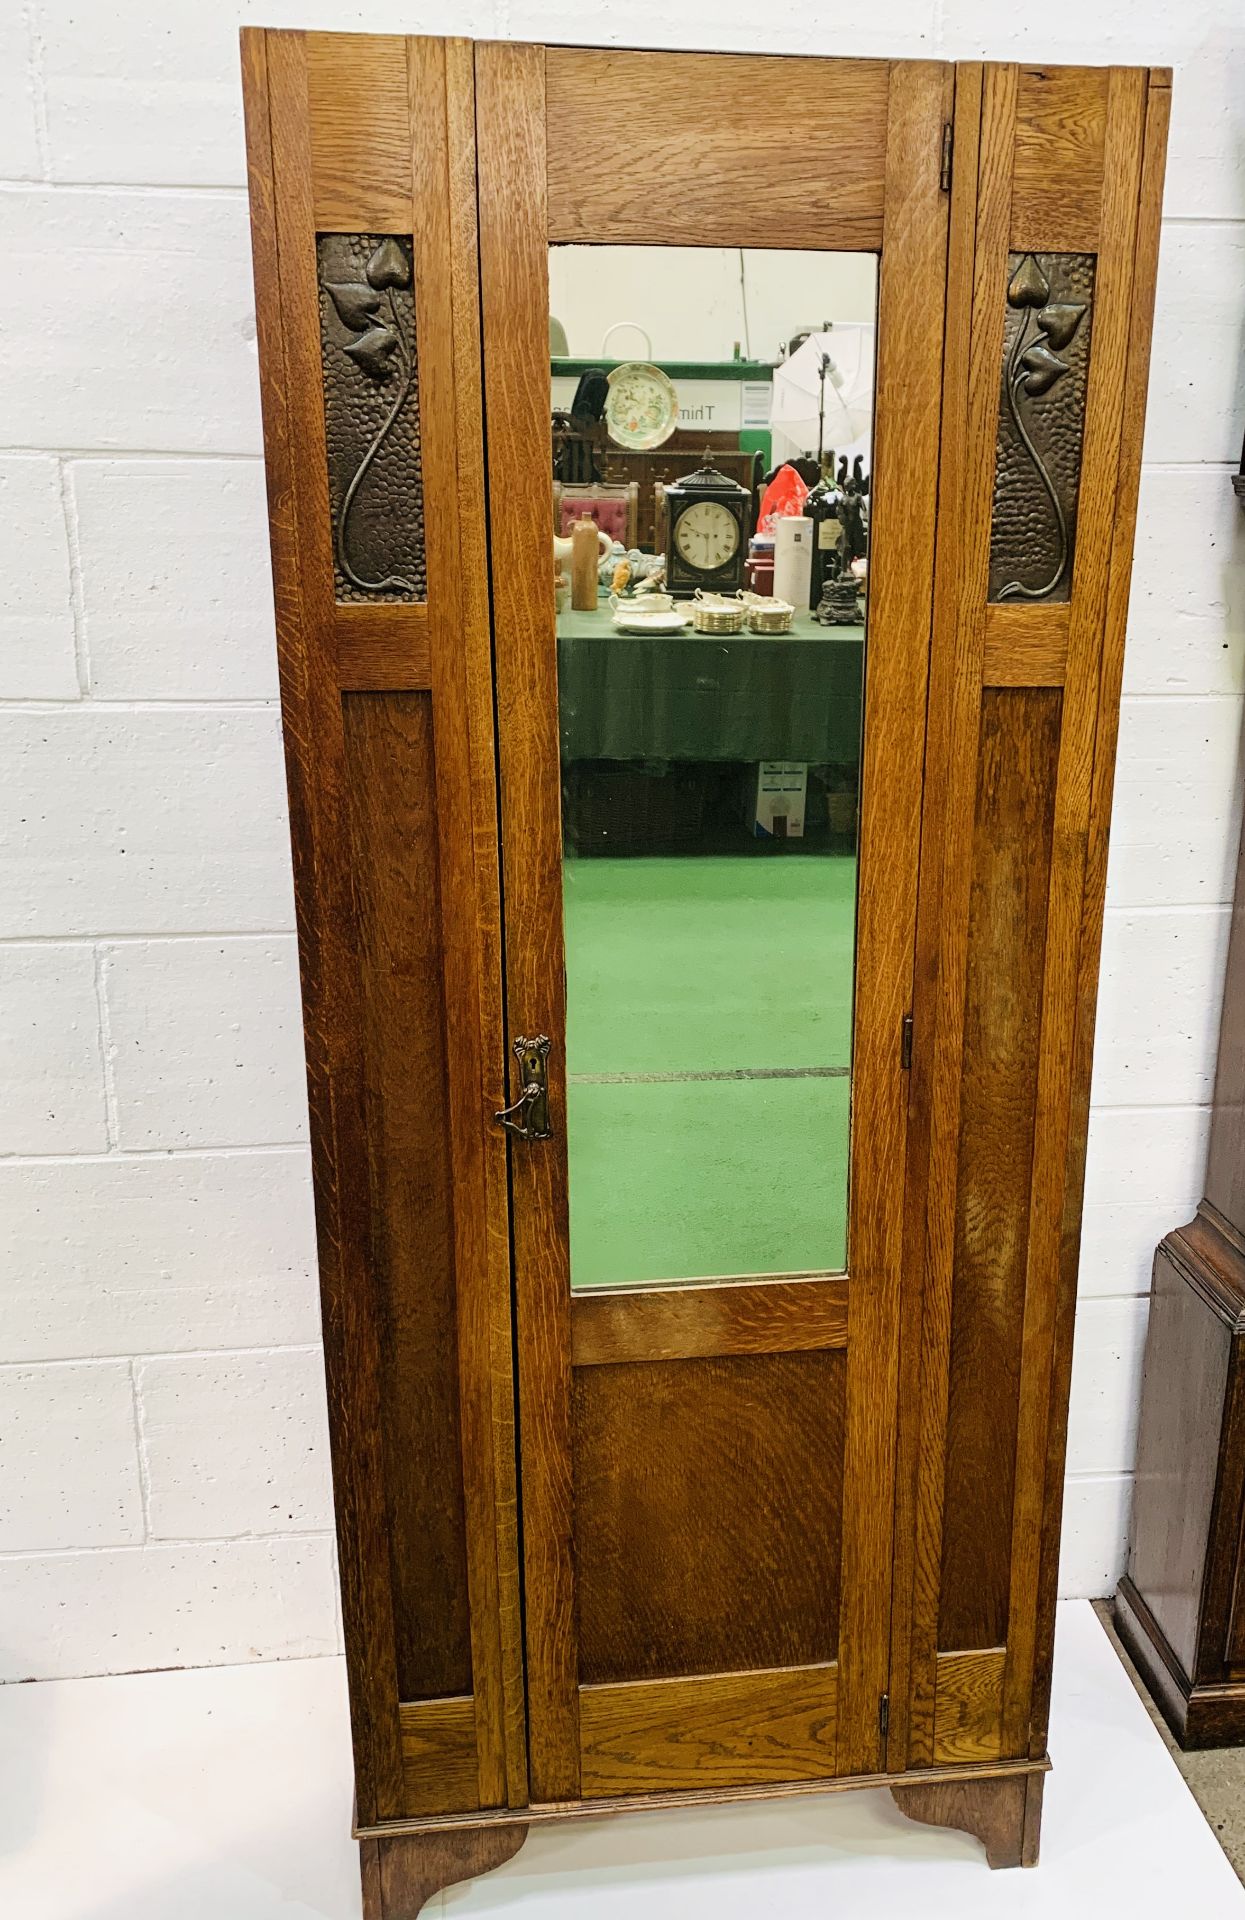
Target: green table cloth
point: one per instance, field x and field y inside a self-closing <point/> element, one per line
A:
<point x="698" y="696"/>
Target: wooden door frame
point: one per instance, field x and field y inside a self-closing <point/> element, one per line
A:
<point x="1057" y="160"/>
<point x="375" y="133"/>
<point x="901" y="209"/>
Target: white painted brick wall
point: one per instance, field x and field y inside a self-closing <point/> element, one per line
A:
<point x="163" y="1493"/>
<point x="231" y="1443"/>
<point x="37" y="642"/>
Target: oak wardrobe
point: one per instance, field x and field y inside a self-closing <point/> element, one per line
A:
<point x="697" y="1160"/>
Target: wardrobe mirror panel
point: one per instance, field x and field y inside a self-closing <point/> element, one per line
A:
<point x="711" y="450"/>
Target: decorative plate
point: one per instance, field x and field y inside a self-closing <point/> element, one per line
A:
<point x="632" y="620"/>
<point x="641" y="408"/>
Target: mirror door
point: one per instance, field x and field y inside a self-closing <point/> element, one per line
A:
<point x="712" y="305"/>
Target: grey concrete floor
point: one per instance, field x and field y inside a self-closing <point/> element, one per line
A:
<point x="1215" y="1778"/>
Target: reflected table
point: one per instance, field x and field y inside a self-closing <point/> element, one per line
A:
<point x="705" y="697"/>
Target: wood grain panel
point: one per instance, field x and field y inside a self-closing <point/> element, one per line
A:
<point x="287" y="310"/>
<point x="382" y="648"/>
<point x="514" y="288"/>
<point x="1061" y="124"/>
<point x="1056" y="167"/>
<point x="393" y="809"/>
<point x="981" y="204"/>
<point x="1002" y="1013"/>
<point x="716" y="1730"/>
<point x="969" y="1704"/>
<point x="954" y="692"/>
<point x="485" y="1296"/>
<point x="686" y="1323"/>
<point x="439" y="1754"/>
<point x="707" y="1514"/>
<point x="360" y="132"/>
<point x="1145" y="262"/>
<point x="686" y="172"/>
<point x="902" y="530"/>
<point x="1025" y="646"/>
<point x="452" y="432"/>
<point x="1053" y="1149"/>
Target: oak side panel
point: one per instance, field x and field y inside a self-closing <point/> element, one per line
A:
<point x="287" y="308"/>
<point x="708" y="1497"/>
<point x="360" y="132"/>
<point x="1025" y="646"/>
<point x="926" y="1317"/>
<point x="382" y="648"/>
<point x="1060" y="168"/>
<point x="906" y="436"/>
<point x="1060" y="158"/>
<point x="969" y="1705"/>
<point x="487" y="1324"/>
<point x="718" y="1729"/>
<point x="621" y="170"/>
<point x="514" y="287"/>
<point x="410" y="803"/>
<point x="1002" y="1016"/>
<point x="392" y="786"/>
<point x="1145" y="263"/>
<point x="439" y="1754"/>
<point x="984" y="129"/>
<point x="449" y="829"/>
<point x="1113" y="285"/>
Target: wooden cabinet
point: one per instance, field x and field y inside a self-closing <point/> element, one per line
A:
<point x="1181" y="1606"/>
<point x="693" y="1539"/>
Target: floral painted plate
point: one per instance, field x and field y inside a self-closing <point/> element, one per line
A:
<point x="642" y="407"/>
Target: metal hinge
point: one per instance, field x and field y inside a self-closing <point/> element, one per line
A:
<point x="944" y="170"/>
<point x="905" y="1043"/>
<point x="884" y="1715"/>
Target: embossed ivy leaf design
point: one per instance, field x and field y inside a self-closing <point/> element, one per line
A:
<point x="1060" y="320"/>
<point x="370" y="309"/>
<point x="357" y="304"/>
<point x="1042" y="368"/>
<point x="372" y="350"/>
<point x="1029" y="286"/>
<point x="1033" y="367"/>
<point x="387" y="266"/>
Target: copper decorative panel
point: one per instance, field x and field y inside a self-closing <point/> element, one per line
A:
<point x="1046" y="341"/>
<point x="371" y="415"/>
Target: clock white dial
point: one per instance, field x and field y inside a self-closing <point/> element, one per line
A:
<point x="706" y="535"/>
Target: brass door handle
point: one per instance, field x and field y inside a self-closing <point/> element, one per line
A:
<point x="532" y="1105"/>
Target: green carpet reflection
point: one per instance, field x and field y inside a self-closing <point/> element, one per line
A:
<point x="708" y="966"/>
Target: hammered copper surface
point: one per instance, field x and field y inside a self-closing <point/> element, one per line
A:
<point x="378" y="550"/>
<point x="1046" y="346"/>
